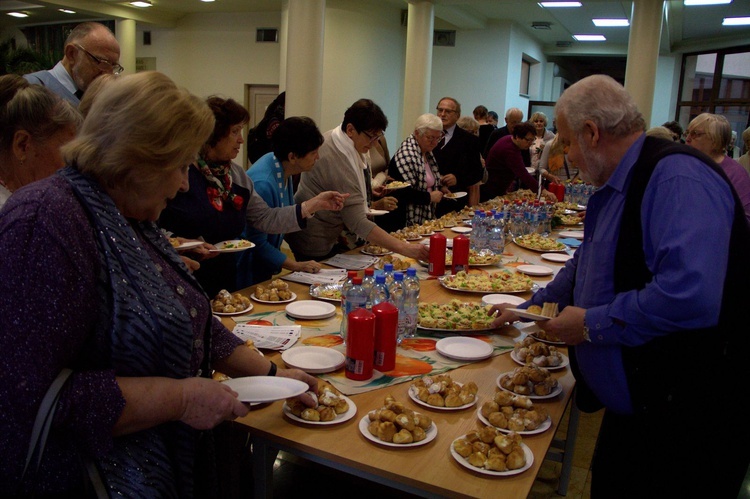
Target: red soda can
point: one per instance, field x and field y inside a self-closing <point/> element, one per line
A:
<point x="386" y="327"/>
<point x="360" y="345"/>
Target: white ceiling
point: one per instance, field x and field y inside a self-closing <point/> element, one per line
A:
<point x="685" y="28"/>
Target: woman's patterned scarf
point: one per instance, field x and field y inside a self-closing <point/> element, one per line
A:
<point x="219" y="182"/>
<point x="148" y="333"/>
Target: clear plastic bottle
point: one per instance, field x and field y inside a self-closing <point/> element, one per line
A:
<point x="356" y="297"/>
<point x="379" y="291"/>
<point x="517" y="219"/>
<point x="411" y="302"/>
<point x="396" y="297"/>
<point x="344" y="288"/>
<point x="388" y="273"/>
<point x="367" y="282"/>
<point x="478" y="237"/>
<point x="497" y="235"/>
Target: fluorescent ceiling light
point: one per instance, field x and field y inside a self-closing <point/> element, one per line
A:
<point x="736" y="21"/>
<point x="590" y="38"/>
<point x="66" y="11"/>
<point x="548" y="5"/>
<point x="18" y="14"/>
<point x="706" y="2"/>
<point x="609" y="23"/>
<point x="207" y="1"/>
<point x="141" y="4"/>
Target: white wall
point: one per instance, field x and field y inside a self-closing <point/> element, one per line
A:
<point x="667" y="86"/>
<point x="522" y="45"/>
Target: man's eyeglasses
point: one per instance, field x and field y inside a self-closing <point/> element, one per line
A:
<point x="104" y="64"/>
<point x="372" y="138"/>
<point x="445" y="110"/>
<point x="693" y="134"/>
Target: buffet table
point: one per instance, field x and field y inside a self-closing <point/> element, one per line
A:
<point x="427" y="470"/>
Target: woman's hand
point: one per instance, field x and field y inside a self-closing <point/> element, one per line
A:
<point x="310" y="266"/>
<point x="549" y="195"/>
<point x="503" y="316"/>
<point x="328" y="200"/>
<point x="416" y="251"/>
<point x="206" y="403"/>
<point x="448" y="180"/>
<point x="436" y="196"/>
<point x="191" y="264"/>
<point x="388" y="203"/>
<point x="378" y="191"/>
<point x="311" y="381"/>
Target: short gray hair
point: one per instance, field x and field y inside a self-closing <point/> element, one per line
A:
<point x="426" y="122"/>
<point x="601" y="99"/>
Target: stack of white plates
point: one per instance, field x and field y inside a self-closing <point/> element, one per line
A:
<point x="314" y="360"/>
<point x="310" y="309"/>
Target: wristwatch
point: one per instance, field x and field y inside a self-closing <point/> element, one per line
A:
<point x="586" y="335"/>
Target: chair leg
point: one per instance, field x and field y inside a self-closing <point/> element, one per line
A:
<point x="570" y="441"/>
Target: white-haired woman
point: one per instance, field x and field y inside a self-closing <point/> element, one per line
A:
<point x="97" y="292"/>
<point x="414" y="163"/>
<point x="541" y="137"/>
<point x="710" y="134"/>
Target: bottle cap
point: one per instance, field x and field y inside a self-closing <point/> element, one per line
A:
<point x="411" y="272"/>
<point x="380" y="279"/>
<point x="357" y="280"/>
<point x="370" y="271"/>
<point x="388" y="267"/>
<point x="398" y="276"/>
<point x="351" y="274"/>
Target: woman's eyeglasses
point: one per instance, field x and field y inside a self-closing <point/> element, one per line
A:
<point x="104" y="64"/>
<point x="372" y="138"/>
<point x="693" y="134"/>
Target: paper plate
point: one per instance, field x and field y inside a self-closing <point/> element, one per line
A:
<point x="535" y="270"/>
<point x="310" y="309"/>
<point x="556" y="257"/>
<point x="377" y="212"/>
<point x="365" y="422"/>
<point x="455" y="195"/>
<point x="496" y="299"/>
<point x="189" y="245"/>
<point x="575" y="234"/>
<point x="222" y="246"/>
<point x="461" y="230"/>
<point x="464" y="348"/>
<point x="239" y="312"/>
<point x="528" y="315"/>
<point x="262" y="389"/>
<point x="313" y="360"/>
<point x="340" y="418"/>
<point x="277" y="302"/>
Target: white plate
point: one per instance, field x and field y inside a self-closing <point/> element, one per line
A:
<point x="225" y="314"/>
<point x="377" y="212"/>
<point x="545" y="341"/>
<point x="313" y="360"/>
<point x="220" y="247"/>
<point x="340" y="418"/>
<point x="310" y="309"/>
<point x="535" y="270"/>
<point x="564" y="364"/>
<point x="575" y="234"/>
<point x="189" y="245"/>
<point x="496" y="299"/>
<point x="456" y="195"/>
<point x="554" y="393"/>
<point x="396" y="185"/>
<point x="261" y="389"/>
<point x="294" y="297"/>
<point x="375" y="254"/>
<point x="546" y="425"/>
<point x="316" y="289"/>
<point x="461" y="230"/>
<point x="413" y="396"/>
<point x="463" y="462"/>
<point x="365" y="422"/>
<point x="528" y="315"/>
<point x="463" y="348"/>
<point x="557" y="257"/>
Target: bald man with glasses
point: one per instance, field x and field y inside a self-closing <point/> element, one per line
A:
<point x="91" y="50"/>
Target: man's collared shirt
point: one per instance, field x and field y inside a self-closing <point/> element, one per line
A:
<point x="61" y="75"/>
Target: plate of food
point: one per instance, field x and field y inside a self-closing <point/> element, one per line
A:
<point x="374" y="250"/>
<point x="531" y="381"/>
<point x="291" y="298"/>
<point x="443" y="394"/>
<point x="571" y="220"/>
<point x="464" y="348"/>
<point x="538" y="353"/>
<point x="519" y="421"/>
<point x="262" y="389"/>
<point x="535" y="242"/>
<point x="482" y="259"/>
<point x="232" y="246"/>
<point x="326" y="291"/>
<point x="535" y="270"/>
<point x="313" y="360"/>
<point x="455" y="195"/>
<point x="226" y="304"/>
<point x="517" y="457"/>
<point x="455" y="316"/>
<point x="396" y="184"/>
<point x="557" y="257"/>
<point x="332" y="407"/>
<point x="402" y="432"/>
<point x="545" y="337"/>
<point x="498" y="282"/>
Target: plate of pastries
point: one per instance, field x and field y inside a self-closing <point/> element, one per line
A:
<point x="395" y="425"/>
<point x="490" y="452"/>
<point x="332" y="407"/>
<point x="530" y="380"/>
<point x="510" y="412"/>
<point x="442" y="393"/>
<point x="275" y="292"/>
<point x="226" y="303"/>
<point x="538" y="353"/>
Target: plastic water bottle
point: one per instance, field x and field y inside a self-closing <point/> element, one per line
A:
<point x="367" y="282"/>
<point x="344" y="289"/>
<point x="517" y="219"/>
<point x="497" y="235"/>
<point x="411" y="302"/>
<point x="356" y="297"/>
<point x="549" y="212"/>
<point x="388" y="273"/>
<point x="396" y="297"/>
<point x="478" y="237"/>
<point x="379" y="291"/>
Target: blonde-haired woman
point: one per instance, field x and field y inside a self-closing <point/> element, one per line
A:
<point x="711" y="134"/>
<point x="104" y="295"/>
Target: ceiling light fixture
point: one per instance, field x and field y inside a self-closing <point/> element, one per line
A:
<point x="66" y="11"/>
<point x="691" y="3"/>
<point x="590" y="38"/>
<point x="610" y="23"/>
<point x="141" y="3"/>
<point x="541" y="25"/>
<point x="736" y="21"/>
<point x="18" y="14"/>
<point x="207" y="1"/>
<point x="548" y="5"/>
